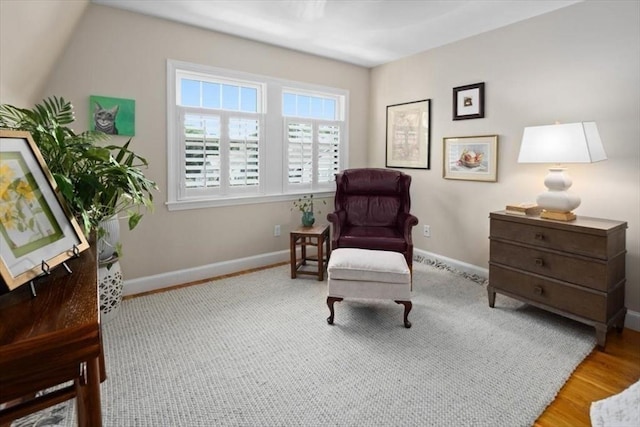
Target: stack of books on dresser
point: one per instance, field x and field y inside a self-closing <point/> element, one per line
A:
<point x="523" y="209"/>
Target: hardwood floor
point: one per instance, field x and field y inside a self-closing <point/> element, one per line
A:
<point x="600" y="375"/>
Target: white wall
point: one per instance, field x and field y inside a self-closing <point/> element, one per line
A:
<point x="579" y="63"/>
<point x="122" y="54"/>
<point x="33" y="35"/>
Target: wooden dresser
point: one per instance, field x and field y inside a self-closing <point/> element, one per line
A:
<point x="575" y="269"/>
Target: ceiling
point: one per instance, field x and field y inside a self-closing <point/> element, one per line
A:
<point x="362" y="32"/>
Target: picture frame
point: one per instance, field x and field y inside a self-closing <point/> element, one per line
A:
<point x="471" y="158"/>
<point x="409" y="135"/>
<point x="113" y="116"/>
<point x="468" y="102"/>
<point x="37" y="231"/>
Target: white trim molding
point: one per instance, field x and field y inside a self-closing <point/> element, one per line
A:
<point x="632" y="320"/>
<point x="453" y="263"/>
<point x="188" y="275"/>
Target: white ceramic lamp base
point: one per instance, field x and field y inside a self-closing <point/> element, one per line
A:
<point x="557" y="203"/>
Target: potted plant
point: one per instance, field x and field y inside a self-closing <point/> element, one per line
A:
<point x="305" y="205"/>
<point x="98" y="181"/>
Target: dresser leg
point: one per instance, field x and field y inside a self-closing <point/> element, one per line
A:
<point x="601" y="335"/>
<point x="492" y="296"/>
<point x="619" y="322"/>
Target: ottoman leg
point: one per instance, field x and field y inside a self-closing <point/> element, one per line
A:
<point x="407" y="309"/>
<point x="330" y="301"/>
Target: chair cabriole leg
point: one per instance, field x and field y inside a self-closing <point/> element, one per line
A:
<point x="407" y="308"/>
<point x="330" y="301"/>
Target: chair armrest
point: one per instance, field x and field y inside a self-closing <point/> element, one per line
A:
<point x="337" y="219"/>
<point x="405" y="223"/>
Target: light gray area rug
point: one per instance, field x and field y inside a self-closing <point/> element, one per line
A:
<point x="256" y="350"/>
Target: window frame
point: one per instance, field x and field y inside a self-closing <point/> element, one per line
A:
<point x="273" y="151"/>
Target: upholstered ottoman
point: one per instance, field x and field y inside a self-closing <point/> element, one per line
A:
<point x="365" y="273"/>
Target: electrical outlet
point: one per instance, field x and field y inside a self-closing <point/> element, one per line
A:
<point x="276" y="230"/>
<point x="426" y="231"/>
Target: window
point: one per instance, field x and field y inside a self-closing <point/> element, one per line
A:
<point x="313" y="152"/>
<point x="238" y="138"/>
<point x="300" y="105"/>
<point x="217" y="94"/>
<point x="313" y="134"/>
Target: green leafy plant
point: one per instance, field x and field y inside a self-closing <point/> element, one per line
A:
<point x="305" y="204"/>
<point x="97" y="181"/>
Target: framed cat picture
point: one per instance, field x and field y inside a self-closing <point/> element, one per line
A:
<point x="113" y="116"/>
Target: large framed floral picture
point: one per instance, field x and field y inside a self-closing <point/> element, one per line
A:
<point x="37" y="231"/>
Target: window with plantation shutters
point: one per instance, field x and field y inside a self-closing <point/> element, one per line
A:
<point x="221" y="153"/>
<point x="237" y="138"/>
<point x="313" y="152"/>
<point x="313" y="131"/>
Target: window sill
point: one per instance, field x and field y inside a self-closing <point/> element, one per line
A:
<point x="243" y="200"/>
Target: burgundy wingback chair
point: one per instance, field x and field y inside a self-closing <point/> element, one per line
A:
<point x="372" y="211"/>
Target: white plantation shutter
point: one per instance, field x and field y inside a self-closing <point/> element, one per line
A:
<point x="328" y="152"/>
<point x="221" y="152"/>
<point x="244" y="138"/>
<point x="300" y="152"/>
<point x="202" y="150"/>
<point x="313" y="148"/>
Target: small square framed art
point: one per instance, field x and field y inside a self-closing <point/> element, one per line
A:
<point x="468" y="102"/>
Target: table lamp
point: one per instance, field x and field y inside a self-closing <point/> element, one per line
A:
<point x="560" y="143"/>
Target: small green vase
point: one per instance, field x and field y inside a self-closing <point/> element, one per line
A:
<point x="308" y="219"/>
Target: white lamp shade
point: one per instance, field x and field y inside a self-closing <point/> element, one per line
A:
<point x="562" y="143"/>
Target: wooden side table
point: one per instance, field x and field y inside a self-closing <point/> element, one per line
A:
<point x="51" y="339"/>
<point x="318" y="236"/>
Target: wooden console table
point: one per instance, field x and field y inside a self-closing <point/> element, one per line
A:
<point x="52" y="339"/>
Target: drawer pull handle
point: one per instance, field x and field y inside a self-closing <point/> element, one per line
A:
<point x="539" y="262"/>
<point x="538" y="290"/>
<point x="539" y="236"/>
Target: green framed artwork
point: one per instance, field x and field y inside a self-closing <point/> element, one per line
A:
<point x="37" y="232"/>
<point x="113" y="116"/>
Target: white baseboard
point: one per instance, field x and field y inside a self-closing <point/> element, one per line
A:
<point x="632" y="320"/>
<point x="173" y="278"/>
<point x="453" y="263"/>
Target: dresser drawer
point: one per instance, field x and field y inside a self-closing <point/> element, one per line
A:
<point x="592" y="305"/>
<point x="591" y="245"/>
<point x="592" y="273"/>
